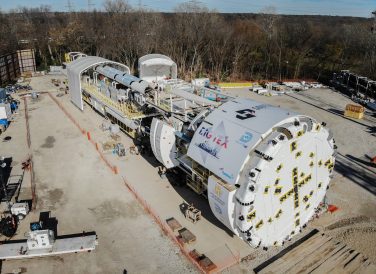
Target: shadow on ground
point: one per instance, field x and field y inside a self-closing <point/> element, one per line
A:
<point x="177" y="180"/>
<point x="48" y="222"/>
<point x="351" y="168"/>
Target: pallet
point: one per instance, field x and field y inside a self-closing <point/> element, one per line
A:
<point x="318" y="254"/>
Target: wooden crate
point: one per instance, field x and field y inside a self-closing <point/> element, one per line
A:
<point x="354" y="111"/>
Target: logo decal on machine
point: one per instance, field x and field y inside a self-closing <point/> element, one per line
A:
<point x="226" y="174"/>
<point x="245" y="139"/>
<point x="213" y="141"/>
<point x="218" y="190"/>
<point x="218" y="209"/>
<point x="244" y="114"/>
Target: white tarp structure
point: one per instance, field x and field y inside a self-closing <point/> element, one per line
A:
<point x="154" y="67"/>
<point x="75" y="69"/>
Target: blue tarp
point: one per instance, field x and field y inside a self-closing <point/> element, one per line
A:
<point x="4" y="122"/>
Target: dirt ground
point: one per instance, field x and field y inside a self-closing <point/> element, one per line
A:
<point x="76" y="187"/>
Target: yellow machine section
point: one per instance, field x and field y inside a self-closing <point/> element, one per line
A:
<point x="127" y="110"/>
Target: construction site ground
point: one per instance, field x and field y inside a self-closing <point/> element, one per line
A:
<point x="84" y="194"/>
<point x="353" y="186"/>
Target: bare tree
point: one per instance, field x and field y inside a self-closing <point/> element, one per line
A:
<point x="117" y="6"/>
<point x="268" y="24"/>
<point x="202" y="41"/>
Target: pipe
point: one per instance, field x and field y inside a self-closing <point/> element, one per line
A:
<point x="126" y="79"/>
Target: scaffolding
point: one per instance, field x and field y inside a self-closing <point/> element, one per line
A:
<point x="26" y="59"/>
<point x="9" y="68"/>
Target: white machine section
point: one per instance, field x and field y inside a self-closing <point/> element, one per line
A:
<point x="222" y="147"/>
<point x="5" y="111"/>
<point x="40" y="239"/>
<point x="20" y="210"/>
<point x="288" y="177"/>
<point x="201" y="82"/>
<point x="162" y="139"/>
<point x="279" y="164"/>
<point x="193" y="97"/>
<point x="221" y="201"/>
<point x="155" y="67"/>
<point x="42" y="243"/>
<point x="224" y="140"/>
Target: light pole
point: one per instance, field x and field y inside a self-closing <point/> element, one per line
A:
<point x="287" y="69"/>
<point x="3" y="184"/>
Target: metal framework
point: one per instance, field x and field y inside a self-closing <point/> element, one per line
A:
<point x="75" y="69"/>
<point x="354" y="84"/>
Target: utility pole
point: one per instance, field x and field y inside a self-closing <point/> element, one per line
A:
<point x="89" y="5"/>
<point x="69" y="6"/>
<point x="374" y="22"/>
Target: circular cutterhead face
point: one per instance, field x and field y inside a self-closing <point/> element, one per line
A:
<point x="293" y="172"/>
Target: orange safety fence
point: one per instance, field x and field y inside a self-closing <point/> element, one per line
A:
<point x="114" y="169"/>
<point x="332" y="208"/>
<point x="32" y="184"/>
<point x="67" y="113"/>
<point x="31" y="166"/>
<point x="27" y="123"/>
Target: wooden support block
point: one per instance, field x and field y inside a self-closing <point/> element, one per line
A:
<point x="187" y="236"/>
<point x="195" y="255"/>
<point x="207" y="264"/>
<point x="173" y="224"/>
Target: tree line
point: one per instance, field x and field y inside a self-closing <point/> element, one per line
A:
<point x="203" y="42"/>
